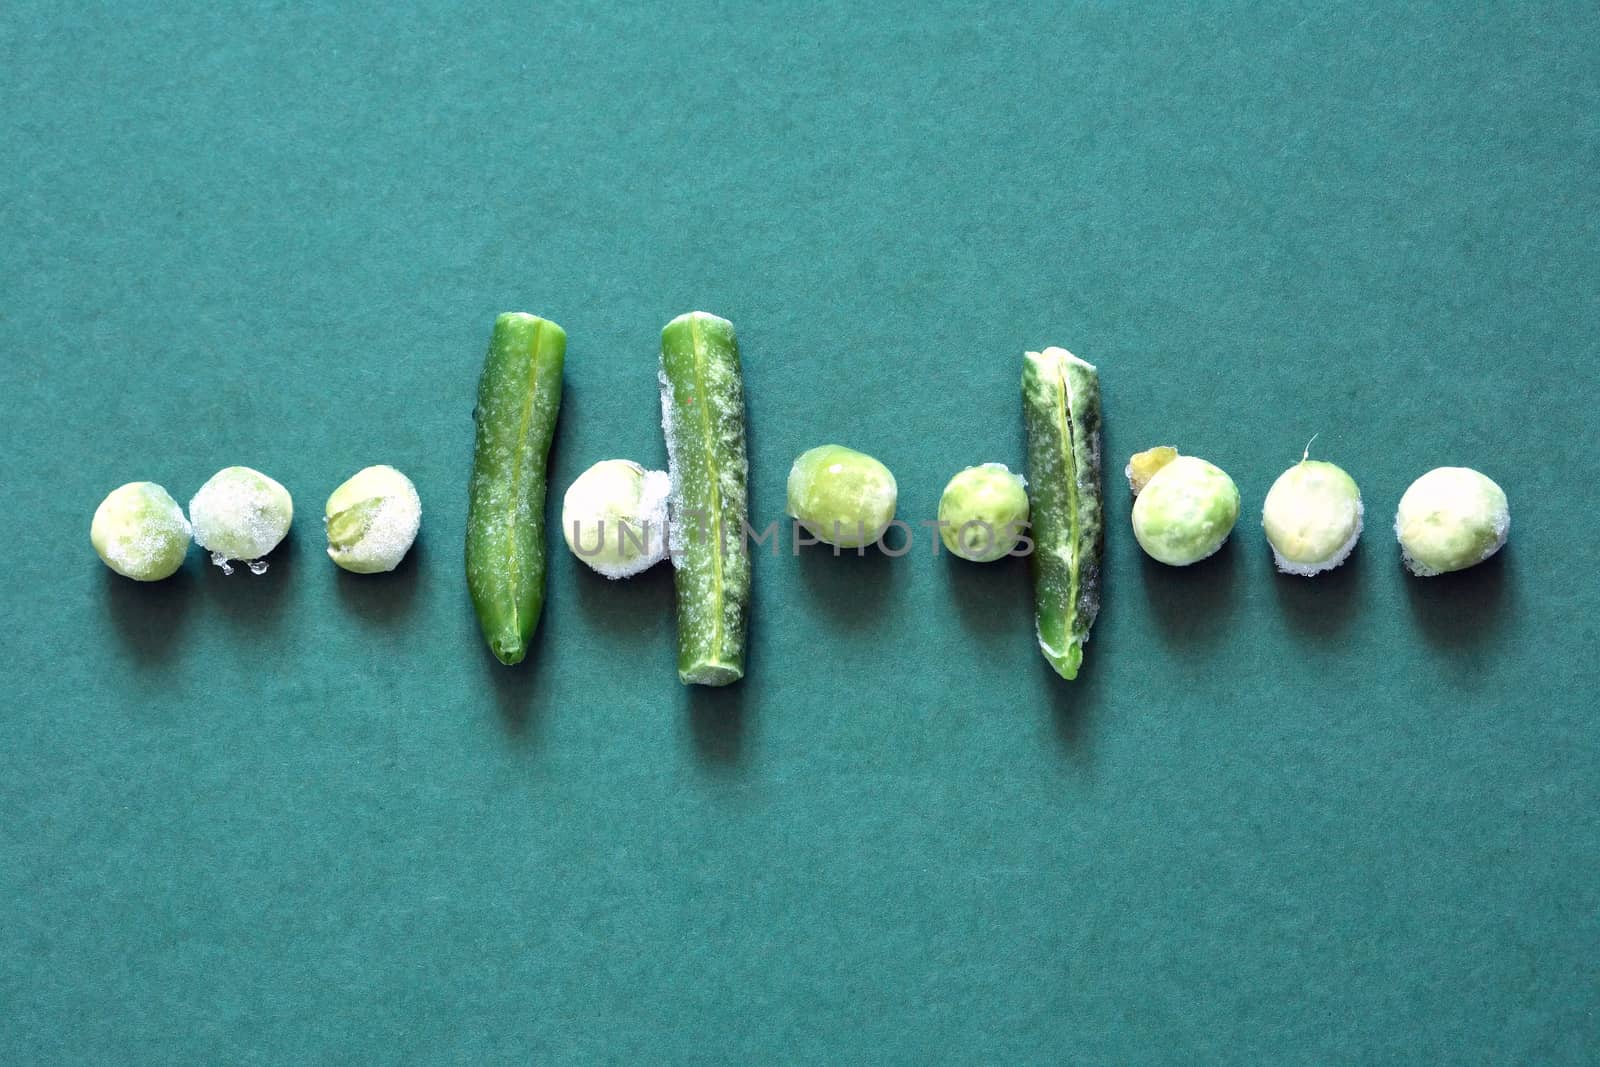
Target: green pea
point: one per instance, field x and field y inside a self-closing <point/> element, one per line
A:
<point x="614" y="517"/>
<point x="1312" y="517"/>
<point x="842" y="497"/>
<point x="702" y="418"/>
<point x="240" y="514"/>
<point x="1061" y="414"/>
<point x="372" y="520"/>
<point x="1449" y="519"/>
<point x="139" y="531"/>
<point x="519" y="397"/>
<point x="1185" y="511"/>
<point x="983" y="512"/>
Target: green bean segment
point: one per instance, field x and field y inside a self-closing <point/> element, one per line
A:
<point x="702" y="416"/>
<point x="1061" y="414"/>
<point x="519" y="397"/>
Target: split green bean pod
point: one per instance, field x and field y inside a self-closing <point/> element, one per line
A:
<point x="1061" y="414"/>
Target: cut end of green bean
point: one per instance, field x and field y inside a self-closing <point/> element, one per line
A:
<point x="702" y="418"/>
<point x="705" y="672"/>
<point x="519" y="399"/>
<point x="1061" y="413"/>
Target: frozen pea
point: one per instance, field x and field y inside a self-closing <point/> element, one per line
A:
<point x="240" y="514"/>
<point x="1450" y="519"/>
<point x="1185" y="511"/>
<point x="372" y="520"/>
<point x="139" y="531"/>
<point x="1312" y="516"/>
<point x="983" y="512"/>
<point x="614" y="517"/>
<point x="842" y="497"/>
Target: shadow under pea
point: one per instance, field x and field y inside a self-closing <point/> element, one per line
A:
<point x="1460" y="611"/>
<point x="852" y="587"/>
<point x="149" y="617"/>
<point x="255" y="601"/>
<point x="993" y="600"/>
<point x="1192" y="605"/>
<point x="638" y="606"/>
<point x="385" y="598"/>
<point x="1322" y="605"/>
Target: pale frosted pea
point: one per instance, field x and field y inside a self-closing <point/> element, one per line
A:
<point x="139" y="531"/>
<point x="1449" y="519"/>
<point x="240" y="514"/>
<point x="1312" y="516"/>
<point x="614" y="517"/>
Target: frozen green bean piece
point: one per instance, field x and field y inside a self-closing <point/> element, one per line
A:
<point x="519" y="397"/>
<point x="1061" y="413"/>
<point x="702" y="416"/>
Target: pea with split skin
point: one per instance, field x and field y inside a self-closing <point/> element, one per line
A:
<point x="1184" y="507"/>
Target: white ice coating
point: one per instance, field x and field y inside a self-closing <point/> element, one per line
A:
<point x="380" y="539"/>
<point x="240" y="514"/>
<point x="674" y="471"/>
<point x="392" y="532"/>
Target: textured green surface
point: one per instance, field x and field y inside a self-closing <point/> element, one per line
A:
<point x="703" y="430"/>
<point x="307" y="818"/>
<point x="519" y="401"/>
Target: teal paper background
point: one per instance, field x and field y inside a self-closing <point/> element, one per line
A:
<point x="306" y="819"/>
